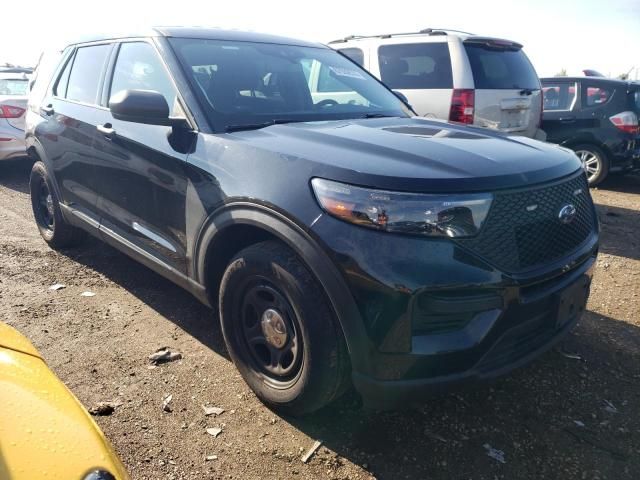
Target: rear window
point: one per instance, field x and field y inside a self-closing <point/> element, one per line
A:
<point x="14" y="86"/>
<point x="501" y="69"/>
<point x="414" y="66"/>
<point x="558" y="96"/>
<point x="354" y="54"/>
<point x="86" y="72"/>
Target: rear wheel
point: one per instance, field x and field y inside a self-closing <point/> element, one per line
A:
<point x="594" y="161"/>
<point x="281" y="331"/>
<point x="46" y="211"/>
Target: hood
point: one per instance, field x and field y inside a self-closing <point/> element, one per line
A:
<point x="414" y="154"/>
<point x="13" y="340"/>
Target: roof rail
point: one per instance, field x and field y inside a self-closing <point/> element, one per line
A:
<point x="425" y="31"/>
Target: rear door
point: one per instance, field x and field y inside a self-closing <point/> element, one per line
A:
<point x="141" y="195"/>
<point x="68" y="132"/>
<point x="560" y="101"/>
<point x="421" y="72"/>
<point x="507" y="89"/>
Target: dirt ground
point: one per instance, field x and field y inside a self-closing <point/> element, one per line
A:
<point x="563" y="417"/>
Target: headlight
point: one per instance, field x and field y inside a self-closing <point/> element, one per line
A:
<point x="413" y="213"/>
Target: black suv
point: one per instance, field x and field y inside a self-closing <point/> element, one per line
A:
<point x="597" y="118"/>
<point x="342" y="239"/>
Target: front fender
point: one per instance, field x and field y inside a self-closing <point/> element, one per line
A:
<point x="307" y="248"/>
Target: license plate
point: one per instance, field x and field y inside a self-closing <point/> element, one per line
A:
<point x="573" y="301"/>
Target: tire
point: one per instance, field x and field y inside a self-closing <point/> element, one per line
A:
<point x="595" y="162"/>
<point x="46" y="211"/>
<point x="268" y="296"/>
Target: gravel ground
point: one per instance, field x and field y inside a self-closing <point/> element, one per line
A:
<point x="563" y="417"/>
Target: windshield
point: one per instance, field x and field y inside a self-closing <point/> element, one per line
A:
<point x="11" y="86"/>
<point x="246" y="83"/>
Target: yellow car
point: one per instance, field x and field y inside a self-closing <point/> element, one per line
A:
<point x="45" y="433"/>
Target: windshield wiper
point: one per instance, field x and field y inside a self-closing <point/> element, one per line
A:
<point x="257" y="126"/>
<point x="378" y="115"/>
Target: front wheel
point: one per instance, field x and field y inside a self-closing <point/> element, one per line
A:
<point x="281" y="331"/>
<point x="594" y="161"/>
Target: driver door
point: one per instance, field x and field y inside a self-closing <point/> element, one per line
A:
<point x="141" y="193"/>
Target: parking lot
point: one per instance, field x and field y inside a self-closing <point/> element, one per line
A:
<point x="574" y="413"/>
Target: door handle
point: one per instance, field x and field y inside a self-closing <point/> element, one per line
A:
<point x="48" y="110"/>
<point x="567" y="119"/>
<point x="107" y="130"/>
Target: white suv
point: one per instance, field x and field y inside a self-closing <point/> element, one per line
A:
<point x="452" y="75"/>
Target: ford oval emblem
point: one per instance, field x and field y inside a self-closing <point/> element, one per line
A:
<point x="567" y="213"/>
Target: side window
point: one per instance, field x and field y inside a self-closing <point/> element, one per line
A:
<point x="86" y="72"/>
<point x="416" y="65"/>
<point x="354" y="54"/>
<point x="60" y="89"/>
<point x="139" y="68"/>
<point x="558" y="96"/>
<point x="594" y="96"/>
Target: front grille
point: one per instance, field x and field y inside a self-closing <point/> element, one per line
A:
<point x="516" y="236"/>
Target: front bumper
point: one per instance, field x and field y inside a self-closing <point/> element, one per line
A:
<point x="528" y="330"/>
<point x="436" y="315"/>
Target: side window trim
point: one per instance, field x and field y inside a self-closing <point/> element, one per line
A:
<point x="105" y="86"/>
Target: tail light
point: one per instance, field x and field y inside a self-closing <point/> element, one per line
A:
<point x="9" y="111"/>
<point x="462" y="103"/>
<point x="627" y="122"/>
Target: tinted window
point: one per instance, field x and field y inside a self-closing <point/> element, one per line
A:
<point x="594" y="96"/>
<point x="86" y="72"/>
<point x="139" y="68"/>
<point x="354" y="54"/>
<point x="559" y="96"/>
<point x="243" y="83"/>
<point x="14" y="86"/>
<point x="499" y="68"/>
<point x="60" y="89"/>
<point x="415" y="65"/>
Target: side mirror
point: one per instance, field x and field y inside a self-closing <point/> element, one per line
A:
<point x="402" y="98"/>
<point x="143" y="106"/>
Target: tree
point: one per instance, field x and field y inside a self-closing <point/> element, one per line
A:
<point x="562" y="73"/>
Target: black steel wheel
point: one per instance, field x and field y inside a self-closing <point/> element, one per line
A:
<point x="270" y="332"/>
<point x="43" y="212"/>
<point x="53" y="228"/>
<point x="281" y="331"/>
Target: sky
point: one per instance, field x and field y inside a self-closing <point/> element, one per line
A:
<point x="556" y="34"/>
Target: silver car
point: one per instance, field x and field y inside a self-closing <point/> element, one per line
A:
<point x="14" y="90"/>
<point x="457" y="76"/>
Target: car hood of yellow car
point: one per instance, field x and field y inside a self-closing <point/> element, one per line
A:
<point x="44" y="430"/>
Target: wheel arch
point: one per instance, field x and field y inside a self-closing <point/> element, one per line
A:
<point x="236" y="226"/>
<point x="36" y="151"/>
<point x="588" y="140"/>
